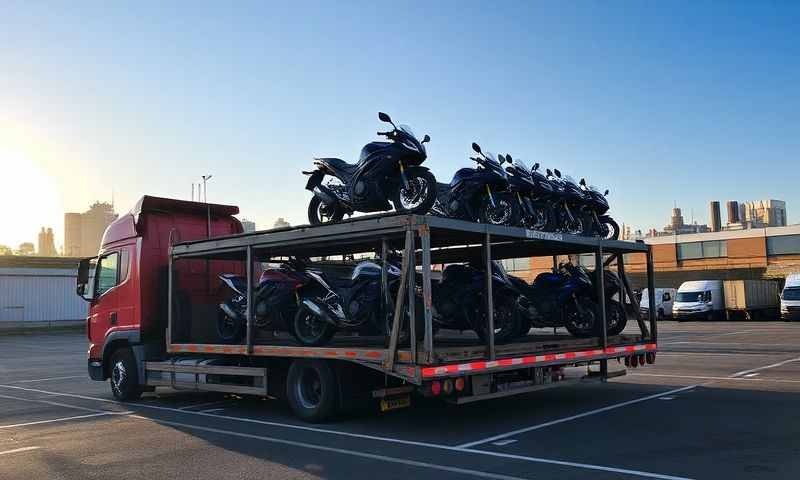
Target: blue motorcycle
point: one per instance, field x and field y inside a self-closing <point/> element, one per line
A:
<point x="560" y="299"/>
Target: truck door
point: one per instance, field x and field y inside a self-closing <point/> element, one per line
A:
<point x="104" y="312"/>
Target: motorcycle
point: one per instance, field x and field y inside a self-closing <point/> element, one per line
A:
<point x="532" y="191"/>
<point x="616" y="316"/>
<point x="559" y="299"/>
<point x="459" y="302"/>
<point x="597" y="206"/>
<point x="478" y="194"/>
<point x="385" y="171"/>
<point x="273" y="300"/>
<point x="569" y="199"/>
<point x="331" y="303"/>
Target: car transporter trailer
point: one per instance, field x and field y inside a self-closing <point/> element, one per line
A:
<point x="460" y="369"/>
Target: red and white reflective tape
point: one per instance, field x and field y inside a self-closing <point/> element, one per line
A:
<point x="611" y="352"/>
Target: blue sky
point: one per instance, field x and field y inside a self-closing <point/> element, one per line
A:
<point x="657" y="101"/>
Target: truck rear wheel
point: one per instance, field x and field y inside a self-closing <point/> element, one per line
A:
<point x="124" y="375"/>
<point x="311" y="390"/>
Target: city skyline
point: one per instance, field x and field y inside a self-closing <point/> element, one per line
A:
<point x="645" y="100"/>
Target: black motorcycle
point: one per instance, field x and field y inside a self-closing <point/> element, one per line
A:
<point x="385" y="171"/>
<point x="459" y="301"/>
<point x="602" y="225"/>
<point x="274" y="302"/>
<point x="564" y="298"/>
<point x="616" y="316"/>
<point x="568" y="201"/>
<point x="532" y="192"/>
<point x="333" y="302"/>
<point x="478" y="194"/>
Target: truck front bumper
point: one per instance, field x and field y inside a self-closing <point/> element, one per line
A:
<point x="683" y="316"/>
<point x="790" y="315"/>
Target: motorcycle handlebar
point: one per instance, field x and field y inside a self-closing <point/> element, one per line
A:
<point x="385" y="134"/>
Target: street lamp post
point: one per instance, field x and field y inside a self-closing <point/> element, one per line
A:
<point x="205" y="200"/>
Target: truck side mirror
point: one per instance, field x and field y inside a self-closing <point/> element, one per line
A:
<point x="666" y="297"/>
<point x="82" y="280"/>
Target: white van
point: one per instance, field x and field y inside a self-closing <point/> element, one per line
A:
<point x="790" y="298"/>
<point x="699" y="300"/>
<point x="664" y="299"/>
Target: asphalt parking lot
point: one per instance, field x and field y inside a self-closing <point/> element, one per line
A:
<point x="722" y="401"/>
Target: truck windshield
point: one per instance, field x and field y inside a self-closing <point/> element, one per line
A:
<point x="689" y="297"/>
<point x="791" y="293"/>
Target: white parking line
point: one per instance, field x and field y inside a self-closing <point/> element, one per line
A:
<point x="367" y="437"/>
<point x="765" y="367"/>
<point x="19" y="450"/>
<point x="48" y="379"/>
<point x="62" y="419"/>
<point x="704" y="377"/>
<point x="573" y="417"/>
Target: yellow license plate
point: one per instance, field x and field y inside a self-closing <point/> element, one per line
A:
<point x="395" y="403"/>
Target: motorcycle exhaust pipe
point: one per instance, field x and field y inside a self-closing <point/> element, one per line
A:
<point x="316" y="310"/>
<point x="325" y="194"/>
<point x="229" y="311"/>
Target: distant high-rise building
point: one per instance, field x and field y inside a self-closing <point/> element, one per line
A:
<point x="733" y="211"/>
<point x="281" y="223"/>
<point x="677" y="227"/>
<point x="248" y="226"/>
<point x="764" y="213"/>
<point x="714" y="216"/>
<point x="47" y="245"/>
<point x="83" y="232"/>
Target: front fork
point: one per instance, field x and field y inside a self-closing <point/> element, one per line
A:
<point x="491" y="198"/>
<point x="403" y="174"/>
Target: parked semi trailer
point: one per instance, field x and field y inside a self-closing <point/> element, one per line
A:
<point x="154" y="293"/>
<point x="728" y="299"/>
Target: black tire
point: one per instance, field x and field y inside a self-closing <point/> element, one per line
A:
<point x="229" y="330"/>
<point x="504" y="212"/>
<point x="124" y="375"/>
<point x="616" y="317"/>
<point x="609" y="227"/>
<point x="507" y="320"/>
<point x="310" y="330"/>
<point x="312" y="390"/>
<point x="581" y="326"/>
<point x="319" y="213"/>
<point x="660" y="314"/>
<point x="419" y="179"/>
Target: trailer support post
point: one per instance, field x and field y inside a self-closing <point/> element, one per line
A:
<point x="385" y="300"/>
<point x="412" y="318"/>
<point x="626" y="285"/>
<point x="398" y="304"/>
<point x="170" y="285"/>
<point x="601" y="300"/>
<point x="427" y="298"/>
<point x="489" y="299"/>
<point x="651" y="295"/>
<point x="249" y="310"/>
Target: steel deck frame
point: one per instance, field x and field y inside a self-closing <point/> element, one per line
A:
<point x="428" y="240"/>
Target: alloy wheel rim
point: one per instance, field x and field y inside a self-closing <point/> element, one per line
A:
<point x="118" y="375"/>
<point x="414" y="196"/>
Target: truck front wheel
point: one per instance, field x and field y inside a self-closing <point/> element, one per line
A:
<point x="124" y="375"/>
<point x="311" y="390"/>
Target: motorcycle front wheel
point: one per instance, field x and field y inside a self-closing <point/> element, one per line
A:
<point x="609" y="229"/>
<point x="229" y="329"/>
<point x="420" y="194"/>
<point x="310" y="330"/>
<point x="506" y="318"/>
<point x="580" y="317"/>
<point x="319" y="212"/>
<point x="504" y="211"/>
<point x="616" y="317"/>
<point x="538" y="218"/>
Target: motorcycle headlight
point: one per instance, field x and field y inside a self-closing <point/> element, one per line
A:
<point x="410" y="145"/>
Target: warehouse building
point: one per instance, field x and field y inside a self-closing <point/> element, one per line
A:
<point x="39" y="291"/>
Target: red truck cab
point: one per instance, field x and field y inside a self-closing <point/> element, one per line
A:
<point x="126" y="284"/>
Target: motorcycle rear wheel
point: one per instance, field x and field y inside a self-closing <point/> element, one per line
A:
<point x="506" y="318"/>
<point x="310" y="330"/>
<point x="319" y="213"/>
<point x="616" y="317"/>
<point x="420" y="196"/>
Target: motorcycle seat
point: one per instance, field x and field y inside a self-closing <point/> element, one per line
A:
<point x="548" y="280"/>
<point x="339" y="166"/>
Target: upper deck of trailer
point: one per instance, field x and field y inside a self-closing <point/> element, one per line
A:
<point x="450" y="240"/>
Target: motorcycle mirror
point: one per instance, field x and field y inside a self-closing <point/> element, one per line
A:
<point x="535" y="166"/>
<point x="558" y="174"/>
<point x="501" y="158"/>
<point x="606" y="192"/>
<point x="549" y="173"/>
<point x="583" y="182"/>
<point x="508" y="158"/>
<point x="384" y="118"/>
<point x="476" y="147"/>
<point x="426" y="138"/>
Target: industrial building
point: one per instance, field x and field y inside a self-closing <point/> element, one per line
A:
<point x="83" y="231"/>
<point x="39" y="291"/>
